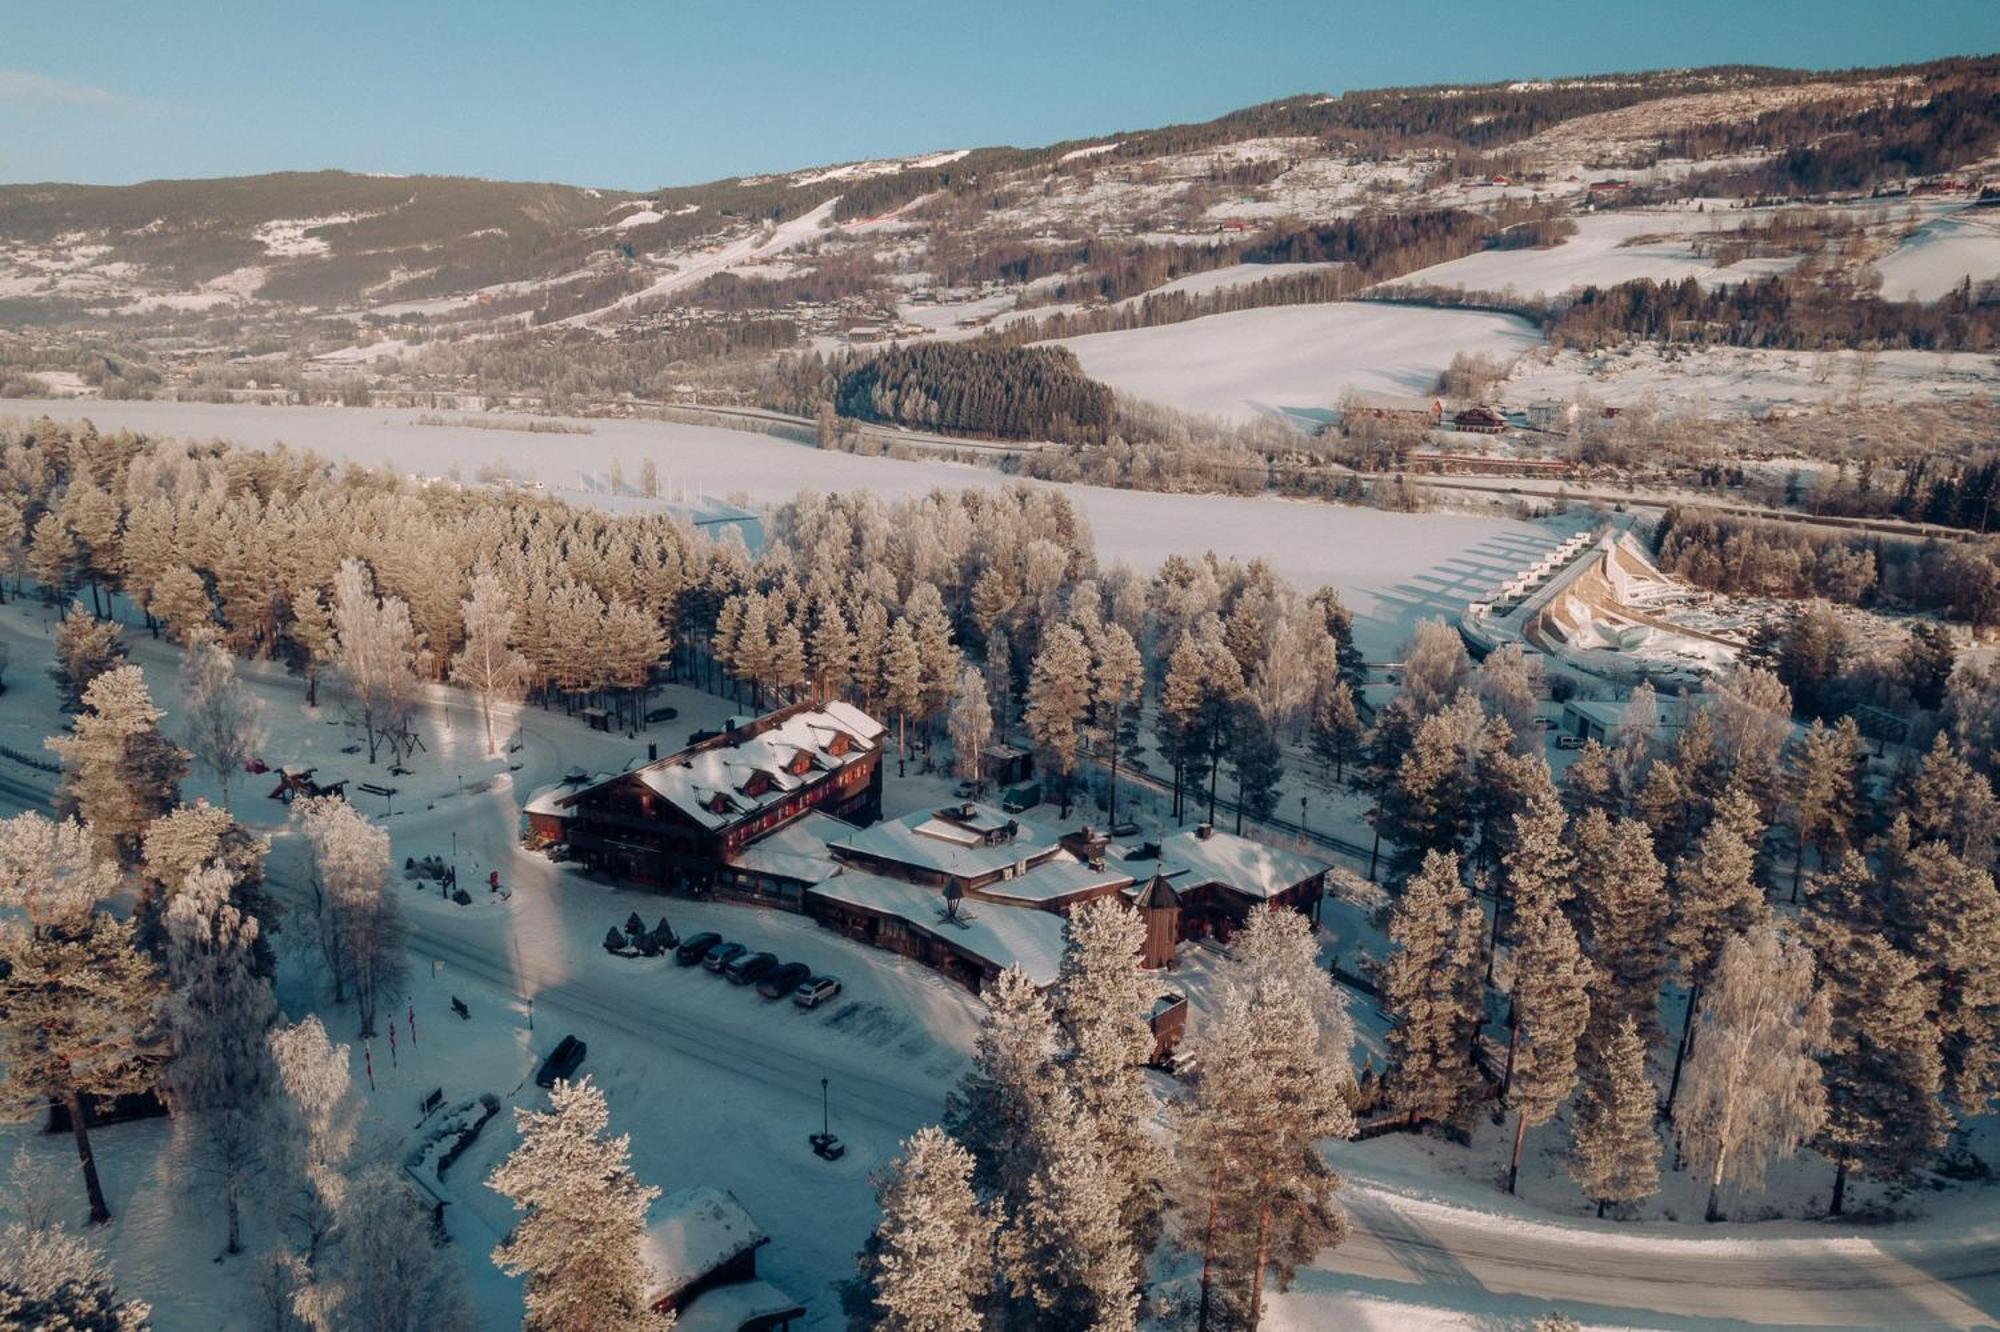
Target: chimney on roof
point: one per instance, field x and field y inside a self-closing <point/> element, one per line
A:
<point x="968" y="810"/>
<point x="1204" y="831"/>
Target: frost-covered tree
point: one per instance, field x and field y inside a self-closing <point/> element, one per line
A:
<point x="219" y="1076"/>
<point x="86" y="647"/>
<point x="1433" y="992"/>
<point x="971" y="727"/>
<point x="1820" y="795"/>
<point x="488" y="664"/>
<point x="180" y="602"/>
<point x="311" y="639"/>
<point x="1255" y="760"/>
<point x="1715" y="897"/>
<point x="992" y="1113"/>
<point x="1621" y="901"/>
<point x="54" y="1281"/>
<point x="222" y="719"/>
<point x="375" y="652"/>
<point x="348" y="910"/>
<point x="1066" y="1253"/>
<point x="1059" y="701"/>
<point x="1551" y="1004"/>
<point x="1946" y="914"/>
<point x="1101" y="1002"/>
<point x="119" y="772"/>
<point x="1270" y="1075"/>
<point x="387" y="1273"/>
<point x="930" y="1265"/>
<point x="1117" y="675"/>
<point x="1615" y="1153"/>
<point x="902" y="679"/>
<point x="582" y="1218"/>
<point x="1754" y="1093"/>
<point x="1336" y="728"/>
<point x="79" y="1005"/>
<point x="320" y="1117"/>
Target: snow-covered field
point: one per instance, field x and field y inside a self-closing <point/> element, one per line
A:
<point x="1942" y="254"/>
<point x="1715" y="381"/>
<point x="1392" y="569"/>
<point x="1603" y="253"/>
<point x="1294" y="360"/>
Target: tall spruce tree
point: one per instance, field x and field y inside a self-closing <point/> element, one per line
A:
<point x="1615" y="1155"/>
<point x="1434" y="995"/>
<point x="929" y="1264"/>
<point x="1552" y="984"/>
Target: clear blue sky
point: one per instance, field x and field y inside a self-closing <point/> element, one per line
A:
<point x="610" y="93"/>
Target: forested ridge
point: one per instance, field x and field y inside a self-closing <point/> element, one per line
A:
<point x="1004" y="392"/>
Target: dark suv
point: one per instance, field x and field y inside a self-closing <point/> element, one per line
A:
<point x="695" y="947"/>
<point x="720" y="956"/>
<point x="562" y="1061"/>
<point x="750" y="968"/>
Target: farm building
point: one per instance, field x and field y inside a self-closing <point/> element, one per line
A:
<point x="1478" y="419"/>
<point x="675" y="822"/>
<point x="1424" y="411"/>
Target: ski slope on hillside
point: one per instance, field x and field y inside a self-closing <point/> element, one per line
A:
<point x="700" y="267"/>
<point x="1294" y="360"/>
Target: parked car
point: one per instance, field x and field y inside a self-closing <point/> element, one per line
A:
<point x="750" y="968"/>
<point x="963" y="791"/>
<point x="783" y="980"/>
<point x="662" y="714"/>
<point x="1022" y="797"/>
<point x="1547" y="723"/>
<point x="695" y="947"/>
<point x="1124" y="830"/>
<point x="562" y="1061"/>
<point x="816" y="991"/>
<point x="1568" y="741"/>
<point x="720" y="956"/>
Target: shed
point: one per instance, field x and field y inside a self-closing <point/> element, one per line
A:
<point x="699" y="1238"/>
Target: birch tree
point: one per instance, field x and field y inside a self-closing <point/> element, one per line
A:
<point x="488" y="664"/>
<point x="350" y="913"/>
<point x="971" y="727"/>
<point x="223" y="720"/>
<point x="1754" y="1093"/>
<point x="375" y="653"/>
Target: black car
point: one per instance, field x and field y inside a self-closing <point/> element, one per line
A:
<point x="750" y="968"/>
<point x="662" y="714"/>
<point x="695" y="947"/>
<point x="562" y="1061"/>
<point x="782" y="981"/>
<point x="720" y="956"/>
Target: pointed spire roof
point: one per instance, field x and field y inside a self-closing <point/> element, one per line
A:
<point x="1158" y="894"/>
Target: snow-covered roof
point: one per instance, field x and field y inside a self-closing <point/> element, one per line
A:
<point x="961" y="845"/>
<point x="729" y="1308"/>
<point x="543" y="800"/>
<point x="691" y="1233"/>
<point x="997" y="934"/>
<point x="709" y="782"/>
<point x="797" y="850"/>
<point x="1251" y="868"/>
<point x="1054" y="880"/>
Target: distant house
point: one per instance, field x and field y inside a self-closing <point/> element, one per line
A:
<point x="676" y="822"/>
<point x="1397" y="407"/>
<point x="702" y="1247"/>
<point x="1604" y="721"/>
<point x="1551" y="414"/>
<point x="1479" y="419"/>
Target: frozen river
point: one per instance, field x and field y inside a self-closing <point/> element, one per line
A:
<point x="1392" y="569"/>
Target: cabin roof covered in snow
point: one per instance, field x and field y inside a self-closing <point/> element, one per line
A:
<point x="729" y="1308"/>
<point x="797" y="850"/>
<point x="1053" y="880"/>
<point x="545" y="800"/>
<point x="1000" y="935"/>
<point x="709" y="782"/>
<point x="693" y="1231"/>
<point x="1251" y="868"/>
<point x="927" y="840"/>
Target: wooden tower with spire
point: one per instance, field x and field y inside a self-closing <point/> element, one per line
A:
<point x="1161" y="907"/>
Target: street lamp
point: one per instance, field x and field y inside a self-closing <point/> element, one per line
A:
<point x="444" y="889"/>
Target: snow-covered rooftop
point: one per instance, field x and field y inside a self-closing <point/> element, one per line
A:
<point x="1251" y="868"/>
<point x="711" y="782"/>
<point x="797" y="850"/>
<point x="1054" y="880"/>
<point x="951" y="841"/>
<point x="692" y="1232"/>
<point x="1003" y="936"/>
<point x="730" y="1308"/>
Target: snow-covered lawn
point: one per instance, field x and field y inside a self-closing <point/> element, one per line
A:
<point x="1392" y="569"/>
<point x="1942" y="254"/>
<point x="1603" y="253"/>
<point x="1294" y="360"/>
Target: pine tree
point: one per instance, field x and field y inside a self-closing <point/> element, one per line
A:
<point x="1948" y="801"/>
<point x="1101" y="1002"/>
<point x="1117" y="675"/>
<point x="993" y="1111"/>
<point x="1754" y="1093"/>
<point x="1270" y="1077"/>
<point x="119" y="772"/>
<point x="1819" y="797"/>
<point x="1946" y="914"/>
<point x="1622" y="903"/>
<point x="488" y="664"/>
<point x="1883" y="1065"/>
<point x="1429" y="804"/>
<point x="1592" y="782"/>
<point x="1255" y="760"/>
<point x="312" y="638"/>
<point x="1058" y="700"/>
<point x="583" y="1215"/>
<point x="54" y="1281"/>
<point x="1552" y="983"/>
<point x="1066" y="1253"/>
<point x="1615" y="1157"/>
<point x="224" y="721"/>
<point x="1336" y="729"/>
<point x="832" y="650"/>
<point x="191" y="837"/>
<point x="180" y="602"/>
<point x="902" y="679"/>
<point x="218" y="1077"/>
<point x="930" y="1265"/>
<point x="1432" y="991"/>
<point x="86" y="647"/>
<point x="78" y="1003"/>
